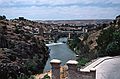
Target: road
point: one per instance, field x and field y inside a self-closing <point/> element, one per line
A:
<point x="109" y="69"/>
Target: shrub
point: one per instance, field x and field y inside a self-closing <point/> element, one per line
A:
<point x="46" y="76"/>
<point x="109" y="42"/>
<point x="82" y="61"/>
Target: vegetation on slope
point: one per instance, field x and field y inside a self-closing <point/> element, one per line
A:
<point x="109" y="40"/>
<point x="22" y="53"/>
<point x="102" y="41"/>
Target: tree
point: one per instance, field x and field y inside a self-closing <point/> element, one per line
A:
<point x="109" y="42"/>
<point x="21" y="18"/>
<point x="2" y="17"/>
<point x="113" y="49"/>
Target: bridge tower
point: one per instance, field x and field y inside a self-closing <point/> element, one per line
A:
<point x="69" y="35"/>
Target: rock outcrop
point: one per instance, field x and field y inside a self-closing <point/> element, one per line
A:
<point x="22" y="51"/>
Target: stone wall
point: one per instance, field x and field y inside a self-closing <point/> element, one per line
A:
<point x="73" y="71"/>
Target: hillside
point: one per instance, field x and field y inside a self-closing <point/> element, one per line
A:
<point x="22" y="49"/>
<point x="101" y="41"/>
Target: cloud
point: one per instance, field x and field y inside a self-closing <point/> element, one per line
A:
<point x="60" y="9"/>
<point x="57" y="2"/>
<point x="72" y="12"/>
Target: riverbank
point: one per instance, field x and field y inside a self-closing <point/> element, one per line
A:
<point x="81" y="50"/>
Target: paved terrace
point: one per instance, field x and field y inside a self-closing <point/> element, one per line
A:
<point x="95" y="63"/>
<point x="109" y="69"/>
<point x="106" y="68"/>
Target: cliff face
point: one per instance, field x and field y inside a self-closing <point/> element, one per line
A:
<point x="22" y="51"/>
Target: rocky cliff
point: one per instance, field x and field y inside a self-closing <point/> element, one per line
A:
<point x="22" y="49"/>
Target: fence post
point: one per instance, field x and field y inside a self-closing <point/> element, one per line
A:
<point x="72" y="69"/>
<point x="55" y="63"/>
<point x="93" y="73"/>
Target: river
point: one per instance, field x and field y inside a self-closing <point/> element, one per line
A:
<point x="59" y="51"/>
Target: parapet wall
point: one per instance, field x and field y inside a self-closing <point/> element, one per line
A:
<point x="73" y="71"/>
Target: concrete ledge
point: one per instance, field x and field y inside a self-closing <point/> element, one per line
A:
<point x="92" y="69"/>
<point x="84" y="70"/>
<point x="94" y="64"/>
<point x="72" y="62"/>
<point x="55" y="61"/>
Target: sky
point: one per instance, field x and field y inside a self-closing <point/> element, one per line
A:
<point x="60" y="9"/>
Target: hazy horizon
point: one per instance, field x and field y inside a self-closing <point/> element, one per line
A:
<point x="61" y="19"/>
<point x="69" y="19"/>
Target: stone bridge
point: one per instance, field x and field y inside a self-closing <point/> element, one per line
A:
<point x="55" y="35"/>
